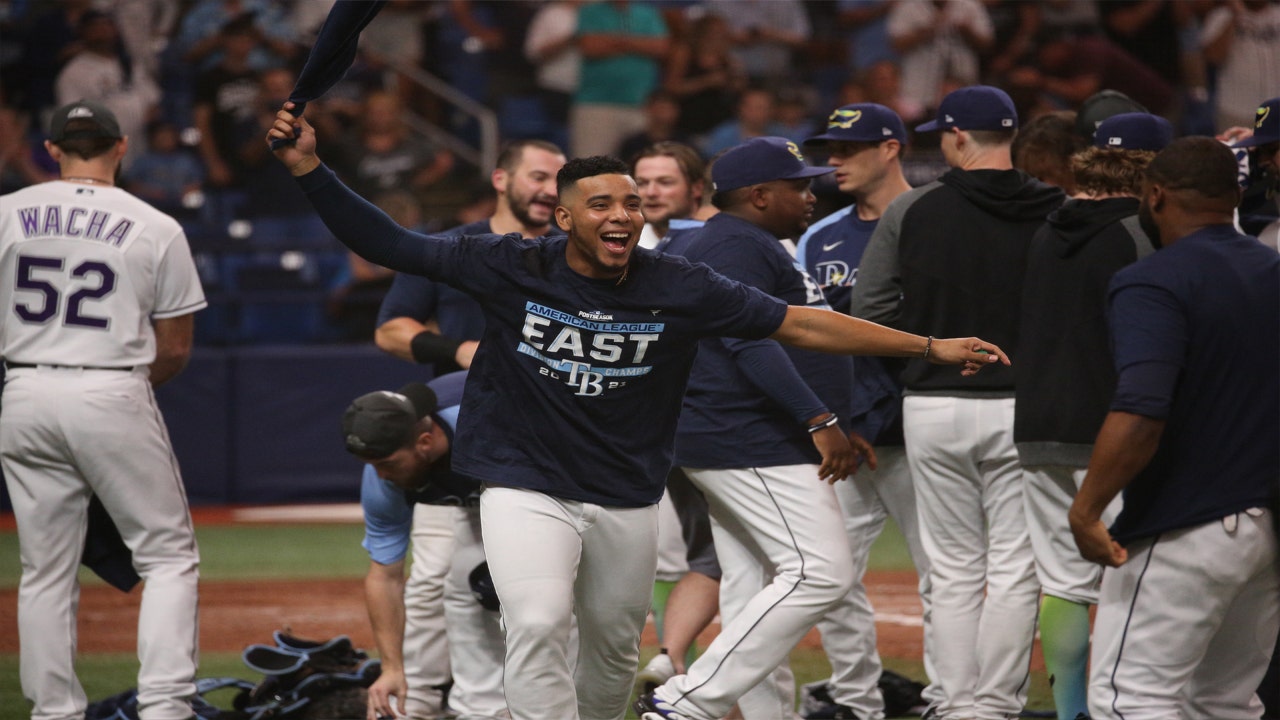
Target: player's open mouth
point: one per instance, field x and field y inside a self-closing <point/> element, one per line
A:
<point x="615" y="242"/>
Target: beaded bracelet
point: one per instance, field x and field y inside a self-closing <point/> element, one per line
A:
<point x="928" y="345"/>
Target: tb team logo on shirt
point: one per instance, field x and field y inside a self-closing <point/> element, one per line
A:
<point x="588" y="352"/>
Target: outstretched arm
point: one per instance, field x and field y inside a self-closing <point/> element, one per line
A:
<point x="832" y="332"/>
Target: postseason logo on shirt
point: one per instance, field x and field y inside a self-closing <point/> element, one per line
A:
<point x="588" y="352"/>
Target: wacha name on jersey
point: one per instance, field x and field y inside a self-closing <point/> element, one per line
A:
<point x="74" y="222"/>
<point x="589" y="355"/>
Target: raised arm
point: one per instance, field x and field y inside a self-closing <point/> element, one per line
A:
<point x="832" y="332"/>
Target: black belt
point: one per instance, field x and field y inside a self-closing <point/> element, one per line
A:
<point x="27" y="366"/>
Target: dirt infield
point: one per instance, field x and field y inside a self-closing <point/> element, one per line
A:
<point x="236" y="614"/>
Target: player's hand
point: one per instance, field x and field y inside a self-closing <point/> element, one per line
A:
<point x="863" y="452"/>
<point x="298" y="153"/>
<point x="1096" y="544"/>
<point x="839" y="459"/>
<point x="973" y="353"/>
<point x="390" y="684"/>
<point x="465" y="353"/>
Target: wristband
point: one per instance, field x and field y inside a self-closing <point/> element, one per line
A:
<point x="830" y="421"/>
<point x="928" y="346"/>
<point x="428" y="347"/>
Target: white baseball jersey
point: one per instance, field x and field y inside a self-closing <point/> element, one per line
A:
<point x="87" y="267"/>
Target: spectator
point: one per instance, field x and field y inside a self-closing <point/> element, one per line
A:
<point x="385" y="155"/>
<point x="866" y="22"/>
<point x="662" y="121"/>
<point x="101" y="73"/>
<point x="358" y="292"/>
<point x="1241" y="39"/>
<point x="226" y="113"/>
<point x="18" y="165"/>
<point x="622" y="43"/>
<point x="1147" y="29"/>
<point x="704" y="75"/>
<point x="394" y="39"/>
<point x="1072" y="69"/>
<point x="765" y="35"/>
<point x="166" y="175"/>
<point x="938" y="40"/>
<point x="49" y="40"/>
<point x="201" y="42"/>
<point x="754" y="119"/>
<point x="550" y="44"/>
<point x="793" y="120"/>
<point x="881" y="83"/>
<point x="1263" y="143"/>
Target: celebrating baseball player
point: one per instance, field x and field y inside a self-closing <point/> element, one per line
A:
<point x="1065" y="379"/>
<point x="1190" y="601"/>
<point x="433" y="324"/>
<point x="98" y="290"/>
<point x="864" y="143"/>
<point x="571" y="405"/>
<point x="406" y="439"/>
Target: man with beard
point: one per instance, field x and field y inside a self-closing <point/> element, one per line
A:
<point x="1188" y="614"/>
<point x="1065" y="379"/>
<point x="1262" y="203"/>
<point x="669" y="177"/>
<point x="431" y="323"/>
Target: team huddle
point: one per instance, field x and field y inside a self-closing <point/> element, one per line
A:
<point x="985" y="359"/>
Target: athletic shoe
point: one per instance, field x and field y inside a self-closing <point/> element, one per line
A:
<point x="832" y="711"/>
<point x="658" y="671"/>
<point x="651" y="707"/>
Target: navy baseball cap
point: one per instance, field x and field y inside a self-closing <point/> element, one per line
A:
<point x="1134" y="131"/>
<point x="861" y="122"/>
<point x="761" y="160"/>
<point x="379" y="423"/>
<point x="1266" y="125"/>
<point x="978" y="107"/>
<point x="103" y="122"/>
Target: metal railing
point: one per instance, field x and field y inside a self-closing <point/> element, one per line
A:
<point x="483" y="157"/>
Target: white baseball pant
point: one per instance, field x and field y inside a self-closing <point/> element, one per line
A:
<point x="1048" y="492"/>
<point x="787" y="525"/>
<point x="551" y="560"/>
<point x="1186" y="627"/>
<point x="426" y="645"/>
<point x="476" y="647"/>
<point x="67" y="433"/>
<point x="973" y="528"/>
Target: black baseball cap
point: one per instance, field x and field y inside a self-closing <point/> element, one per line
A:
<point x="1266" y="125"/>
<point x="1102" y="105"/>
<point x="103" y="122"/>
<point x="379" y="423"/>
<point x="861" y="122"/>
<point x="1134" y="131"/>
<point x="761" y="160"/>
<point x="977" y="107"/>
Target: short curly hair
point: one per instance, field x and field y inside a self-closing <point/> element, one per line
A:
<point x="1110" y="171"/>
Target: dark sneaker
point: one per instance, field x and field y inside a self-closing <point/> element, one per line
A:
<point x="832" y="711"/>
<point x="651" y="707"/>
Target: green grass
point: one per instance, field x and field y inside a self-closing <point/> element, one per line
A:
<point x="333" y="551"/>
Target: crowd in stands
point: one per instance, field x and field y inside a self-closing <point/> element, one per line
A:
<point x="195" y="83"/>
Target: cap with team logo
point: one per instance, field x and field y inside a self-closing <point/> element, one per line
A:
<point x="761" y="160"/>
<point x="379" y="423"/>
<point x="861" y="122"/>
<point x="978" y="107"/>
<point x="102" y="122"/>
<point x="1134" y="131"/>
<point x="1266" y="125"/>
